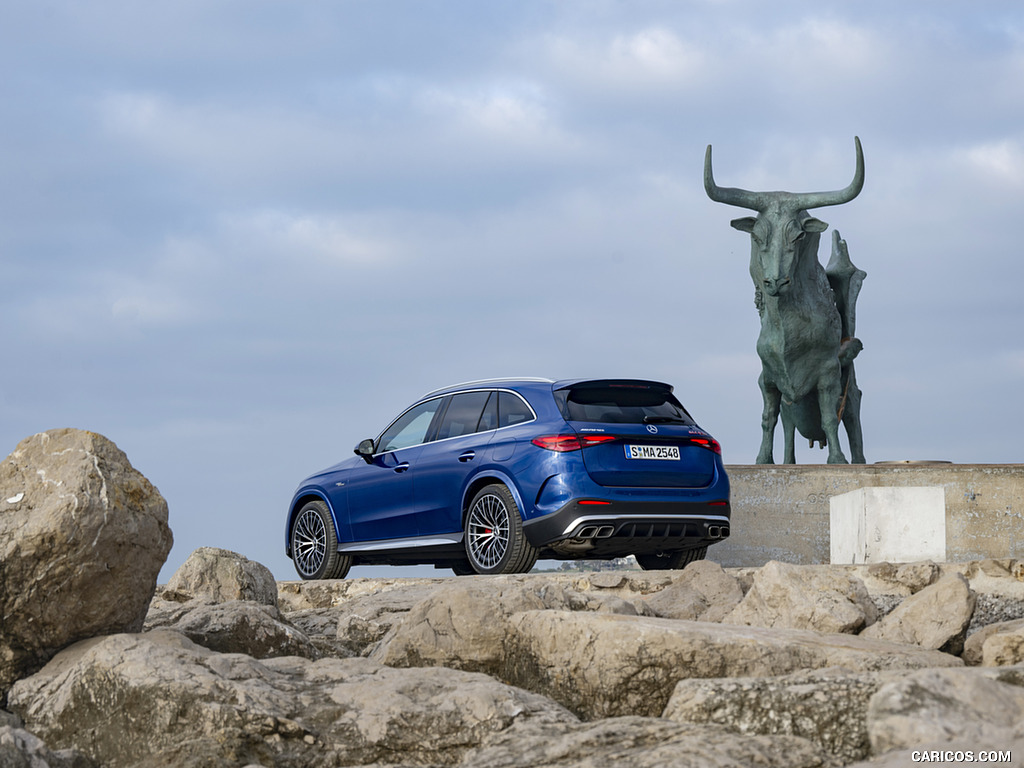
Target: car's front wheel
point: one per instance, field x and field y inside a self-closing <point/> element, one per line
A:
<point x="665" y="561"/>
<point x="315" y="544"/>
<point x="495" y="542"/>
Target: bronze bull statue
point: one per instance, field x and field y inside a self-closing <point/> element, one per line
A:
<point x="807" y="344"/>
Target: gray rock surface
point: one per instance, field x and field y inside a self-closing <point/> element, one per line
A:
<point x="805" y="597"/>
<point x="221" y="575"/>
<point x="466" y="623"/>
<point x="970" y="706"/>
<point x="638" y="742"/>
<point x="702" y="592"/>
<point x="1003" y="649"/>
<point x="21" y="749"/>
<point x="973" y="653"/>
<point x="937" y="617"/>
<point x="235" y="626"/>
<point x="159" y="699"/>
<point x="828" y="707"/>
<point x="606" y="665"/>
<point x="83" y="536"/>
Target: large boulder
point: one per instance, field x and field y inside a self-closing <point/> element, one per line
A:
<point x="805" y="597"/>
<point x="937" y="617"/>
<point x="465" y="624"/>
<point x="639" y="742"/>
<point x="1004" y="649"/>
<point x="974" y="646"/>
<point x="702" y="592"/>
<point x="221" y="575"/>
<point x="607" y="665"/>
<point x="960" y="707"/>
<point x="237" y="626"/>
<point x="828" y="707"/>
<point x="83" y="536"/>
<point x="157" y="699"/>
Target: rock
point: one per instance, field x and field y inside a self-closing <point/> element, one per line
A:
<point x="638" y="742"/>
<point x="972" y="706"/>
<point x="159" y="699"/>
<point x="973" y="653"/>
<point x="827" y="707"/>
<point x="606" y="665"/>
<point x="917" y="576"/>
<point x="83" y="536"/>
<point x="1004" y="649"/>
<point x="702" y="592"/>
<point x="221" y="575"/>
<point x="21" y="749"/>
<point x="805" y="597"/>
<point x="236" y="626"/>
<point x="465" y="624"/>
<point x="349" y="620"/>
<point x="937" y="617"/>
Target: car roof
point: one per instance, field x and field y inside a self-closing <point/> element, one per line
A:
<point x="510" y="383"/>
<point x="529" y="382"/>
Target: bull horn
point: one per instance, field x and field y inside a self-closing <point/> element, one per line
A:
<point x="819" y="199"/>
<point x="741" y="198"/>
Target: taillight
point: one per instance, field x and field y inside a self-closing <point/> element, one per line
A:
<point x="564" y="443"/>
<point x="710" y="443"/>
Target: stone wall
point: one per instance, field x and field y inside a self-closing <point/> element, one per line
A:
<point x="782" y="512"/>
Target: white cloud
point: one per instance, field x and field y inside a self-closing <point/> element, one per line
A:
<point x="308" y="237"/>
<point x="1002" y="160"/>
<point x="651" y="58"/>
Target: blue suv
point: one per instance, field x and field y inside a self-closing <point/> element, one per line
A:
<point x="489" y="476"/>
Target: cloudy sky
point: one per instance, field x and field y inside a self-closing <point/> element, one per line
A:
<point x="238" y="237"/>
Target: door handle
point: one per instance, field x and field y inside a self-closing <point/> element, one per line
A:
<point x="402" y="467"/>
<point x="467" y="456"/>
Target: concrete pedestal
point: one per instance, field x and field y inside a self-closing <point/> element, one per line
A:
<point x="782" y="512"/>
<point x="895" y="525"/>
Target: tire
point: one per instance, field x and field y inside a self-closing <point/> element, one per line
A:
<point x="463" y="568"/>
<point x="314" y="543"/>
<point x="667" y="561"/>
<point x="494" y="537"/>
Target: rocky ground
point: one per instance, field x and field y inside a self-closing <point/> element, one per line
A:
<point x="787" y="666"/>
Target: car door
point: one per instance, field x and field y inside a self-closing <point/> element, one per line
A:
<point x="446" y="463"/>
<point x="381" y="499"/>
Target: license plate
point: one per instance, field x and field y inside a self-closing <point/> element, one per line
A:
<point x="669" y="452"/>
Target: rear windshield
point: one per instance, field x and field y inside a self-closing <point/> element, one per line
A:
<point x="621" y="404"/>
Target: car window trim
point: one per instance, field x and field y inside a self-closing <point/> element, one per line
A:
<point x="438" y="415"/>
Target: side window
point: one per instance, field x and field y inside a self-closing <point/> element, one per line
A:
<point x="512" y="410"/>
<point x="463" y="414"/>
<point x="489" y="419"/>
<point x="410" y="428"/>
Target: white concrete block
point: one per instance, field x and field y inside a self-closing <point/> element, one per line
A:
<point x="896" y="525"/>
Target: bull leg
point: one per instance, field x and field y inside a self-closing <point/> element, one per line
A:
<point x="789" y="432"/>
<point x="851" y="420"/>
<point x="769" y="418"/>
<point x="829" y="392"/>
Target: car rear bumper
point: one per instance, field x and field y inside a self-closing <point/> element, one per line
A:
<point x="620" y="528"/>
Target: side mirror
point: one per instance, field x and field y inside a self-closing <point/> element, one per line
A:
<point x="365" y="449"/>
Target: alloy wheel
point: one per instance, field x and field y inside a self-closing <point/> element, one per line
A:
<point x="488" y="530"/>
<point x="309" y="542"/>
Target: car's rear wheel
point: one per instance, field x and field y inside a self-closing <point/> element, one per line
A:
<point x="315" y="544"/>
<point x="495" y="542"/>
<point x="665" y="561"/>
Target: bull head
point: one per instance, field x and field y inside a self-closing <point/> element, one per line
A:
<point x="783" y="229"/>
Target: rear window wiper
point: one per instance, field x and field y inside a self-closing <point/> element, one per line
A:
<point x="665" y="420"/>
